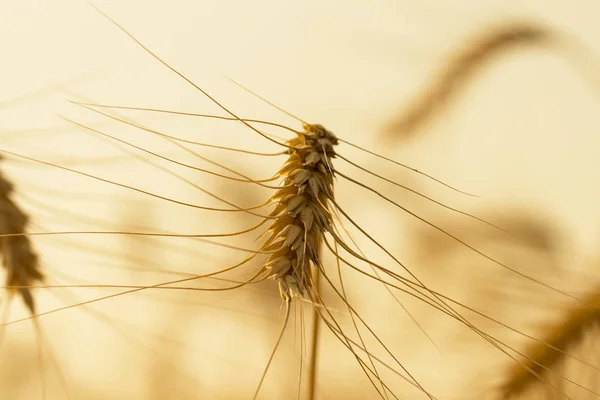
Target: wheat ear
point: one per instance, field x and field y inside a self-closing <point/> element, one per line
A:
<point x="302" y="215"/>
<point x="300" y="219"/>
<point x="18" y="257"/>
<point x="545" y="355"/>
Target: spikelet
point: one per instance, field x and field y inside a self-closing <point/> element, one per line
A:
<point x="18" y="257"/>
<point x="301" y="215"/>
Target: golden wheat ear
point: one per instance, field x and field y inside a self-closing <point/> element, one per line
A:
<point x="18" y="256"/>
<point x="547" y="356"/>
<point x="23" y="268"/>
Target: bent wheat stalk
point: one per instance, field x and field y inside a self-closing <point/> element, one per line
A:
<point x="460" y="70"/>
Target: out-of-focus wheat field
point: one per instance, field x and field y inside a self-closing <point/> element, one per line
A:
<point x="522" y="134"/>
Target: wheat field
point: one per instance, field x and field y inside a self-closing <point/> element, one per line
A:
<point x="456" y="258"/>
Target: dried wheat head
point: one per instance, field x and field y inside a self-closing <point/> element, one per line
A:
<point x="302" y="214"/>
<point x="18" y="257"/>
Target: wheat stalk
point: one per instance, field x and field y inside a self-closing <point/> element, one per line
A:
<point x="460" y="69"/>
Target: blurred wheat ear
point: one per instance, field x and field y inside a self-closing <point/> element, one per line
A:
<point x="18" y="257"/>
<point x="459" y="70"/>
<point x="545" y="356"/>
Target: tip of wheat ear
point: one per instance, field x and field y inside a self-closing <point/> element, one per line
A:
<point x="301" y="214"/>
<point x="18" y="257"/>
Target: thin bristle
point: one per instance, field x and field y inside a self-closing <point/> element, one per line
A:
<point x="18" y="257"/>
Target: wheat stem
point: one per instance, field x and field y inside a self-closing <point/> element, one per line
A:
<point x="314" y="337"/>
